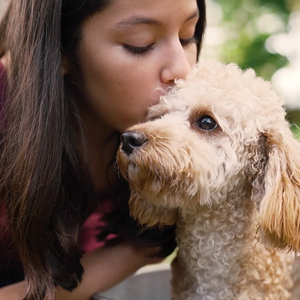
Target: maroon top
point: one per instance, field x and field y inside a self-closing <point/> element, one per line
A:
<point x="86" y="240"/>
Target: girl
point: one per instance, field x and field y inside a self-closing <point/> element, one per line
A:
<point x="76" y="74"/>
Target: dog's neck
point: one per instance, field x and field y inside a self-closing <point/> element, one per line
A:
<point x="213" y="242"/>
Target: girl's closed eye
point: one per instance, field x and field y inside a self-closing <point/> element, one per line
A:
<point x="145" y="49"/>
<point x="138" y="50"/>
<point x="185" y="42"/>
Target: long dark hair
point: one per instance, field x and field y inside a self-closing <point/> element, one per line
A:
<point x="42" y="178"/>
<point x="200" y="27"/>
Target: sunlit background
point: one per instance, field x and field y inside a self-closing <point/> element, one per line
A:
<point x="261" y="34"/>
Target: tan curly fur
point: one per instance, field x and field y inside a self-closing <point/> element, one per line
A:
<point x="223" y="187"/>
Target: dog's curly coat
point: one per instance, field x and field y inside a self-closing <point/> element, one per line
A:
<point x="215" y="149"/>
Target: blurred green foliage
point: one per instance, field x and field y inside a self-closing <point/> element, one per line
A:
<point x="245" y="43"/>
<point x="246" y="27"/>
<point x="295" y="127"/>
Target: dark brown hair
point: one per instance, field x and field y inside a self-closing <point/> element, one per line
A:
<point x="42" y="178"/>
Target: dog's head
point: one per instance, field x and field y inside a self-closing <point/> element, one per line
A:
<point x="220" y="133"/>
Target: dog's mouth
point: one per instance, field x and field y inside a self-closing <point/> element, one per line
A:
<point x="155" y="170"/>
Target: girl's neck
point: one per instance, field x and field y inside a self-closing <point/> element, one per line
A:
<point x="101" y="164"/>
<point x="98" y="152"/>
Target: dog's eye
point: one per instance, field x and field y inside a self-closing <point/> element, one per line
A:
<point x="207" y="123"/>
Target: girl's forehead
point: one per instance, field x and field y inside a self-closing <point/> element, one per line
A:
<point x="132" y="13"/>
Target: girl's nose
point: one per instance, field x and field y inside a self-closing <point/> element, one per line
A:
<point x="176" y="65"/>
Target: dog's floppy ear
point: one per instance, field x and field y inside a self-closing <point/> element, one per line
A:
<point x="279" y="209"/>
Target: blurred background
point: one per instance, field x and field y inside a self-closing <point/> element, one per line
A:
<point x="261" y="34"/>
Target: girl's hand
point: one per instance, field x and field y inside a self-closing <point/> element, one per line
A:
<point x="15" y="291"/>
<point x="146" y="252"/>
<point x="107" y="266"/>
<point x="103" y="268"/>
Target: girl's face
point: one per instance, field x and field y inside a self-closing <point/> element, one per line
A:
<point x="129" y="54"/>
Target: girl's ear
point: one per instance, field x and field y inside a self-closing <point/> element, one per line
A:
<point x="279" y="211"/>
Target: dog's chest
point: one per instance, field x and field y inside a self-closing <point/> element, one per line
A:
<point x="211" y="244"/>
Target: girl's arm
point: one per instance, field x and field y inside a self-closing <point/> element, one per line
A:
<point x="103" y="268"/>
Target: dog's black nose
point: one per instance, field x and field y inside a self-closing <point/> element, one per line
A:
<point x="131" y="140"/>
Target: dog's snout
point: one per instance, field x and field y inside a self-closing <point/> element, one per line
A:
<point x="131" y="140"/>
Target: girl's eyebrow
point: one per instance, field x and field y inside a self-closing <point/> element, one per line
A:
<point x="136" y="20"/>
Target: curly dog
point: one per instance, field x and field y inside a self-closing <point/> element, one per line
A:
<point x="217" y="158"/>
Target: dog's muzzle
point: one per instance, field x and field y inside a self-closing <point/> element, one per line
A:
<point x="131" y="140"/>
